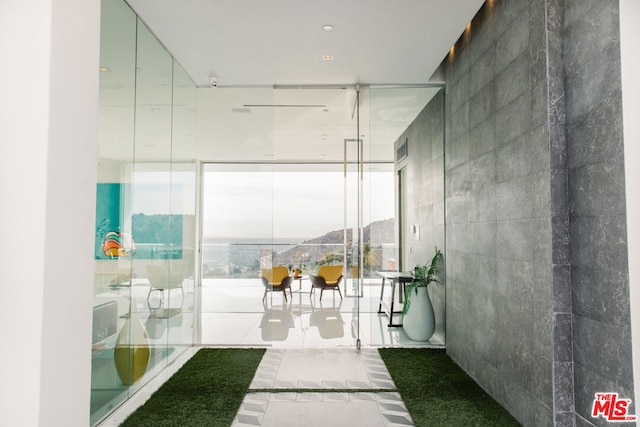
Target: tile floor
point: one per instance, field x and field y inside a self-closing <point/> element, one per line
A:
<point x="334" y="380"/>
<point x="234" y="314"/>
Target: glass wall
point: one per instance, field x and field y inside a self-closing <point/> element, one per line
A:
<point x="145" y="271"/>
<point x="412" y="118"/>
<point x="325" y="195"/>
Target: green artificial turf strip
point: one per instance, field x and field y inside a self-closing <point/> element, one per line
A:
<point x="437" y="392"/>
<point x="207" y="391"/>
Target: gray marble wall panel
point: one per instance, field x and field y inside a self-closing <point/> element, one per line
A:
<point x="600" y="284"/>
<point x="536" y="279"/>
<point x="497" y="205"/>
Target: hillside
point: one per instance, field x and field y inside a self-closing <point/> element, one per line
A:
<point x="328" y="247"/>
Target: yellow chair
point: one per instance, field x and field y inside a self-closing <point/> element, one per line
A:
<point x="276" y="279"/>
<point x="328" y="277"/>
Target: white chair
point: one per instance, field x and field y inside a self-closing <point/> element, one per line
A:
<point x="163" y="278"/>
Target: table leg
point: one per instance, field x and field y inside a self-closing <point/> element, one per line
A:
<point x="381" y="295"/>
<point x="393" y="297"/>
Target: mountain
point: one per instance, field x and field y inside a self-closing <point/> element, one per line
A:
<point x="329" y="247"/>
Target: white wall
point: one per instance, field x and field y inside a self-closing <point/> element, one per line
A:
<point x="48" y="138"/>
<point x="630" y="37"/>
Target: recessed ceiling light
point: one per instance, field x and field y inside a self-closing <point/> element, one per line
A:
<point x="156" y="110"/>
<point x="327" y="27"/>
<point x="104" y="69"/>
<point x="327" y="57"/>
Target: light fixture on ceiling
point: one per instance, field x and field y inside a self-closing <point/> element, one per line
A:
<point x="327" y="57"/>
<point x="104" y="69"/>
<point x="286" y="105"/>
<point x="156" y="110"/>
<point x="327" y="27"/>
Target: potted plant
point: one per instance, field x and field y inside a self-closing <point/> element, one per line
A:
<point x="418" y="319"/>
<point x="297" y="272"/>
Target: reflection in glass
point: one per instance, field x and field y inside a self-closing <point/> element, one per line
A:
<point x="145" y="211"/>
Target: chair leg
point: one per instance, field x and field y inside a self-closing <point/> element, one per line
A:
<point x="321" y="291"/>
<point x="284" y="292"/>
<point x="339" y="293"/>
<point x="265" y="294"/>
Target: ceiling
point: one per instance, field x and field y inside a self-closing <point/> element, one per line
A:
<point x="282" y="42"/>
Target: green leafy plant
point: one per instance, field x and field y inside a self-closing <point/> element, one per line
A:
<point x="423" y="275"/>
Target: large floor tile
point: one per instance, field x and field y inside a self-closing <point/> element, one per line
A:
<point x="323" y="409"/>
<point x="320" y="387"/>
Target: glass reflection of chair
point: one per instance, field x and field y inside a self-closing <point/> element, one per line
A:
<point x="162" y="278"/>
<point x="275" y="323"/>
<point x="276" y="279"/>
<point x="156" y="325"/>
<point x="328" y="277"/>
<point x="328" y="321"/>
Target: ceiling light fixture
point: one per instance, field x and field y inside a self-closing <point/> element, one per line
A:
<point x="327" y="27"/>
<point x="327" y="57"/>
<point x="287" y="105"/>
<point x="104" y="69"/>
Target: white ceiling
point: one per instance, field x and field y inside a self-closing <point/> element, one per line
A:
<point x="281" y="42"/>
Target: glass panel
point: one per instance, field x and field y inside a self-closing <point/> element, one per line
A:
<point x="412" y="119"/>
<point x="289" y="211"/>
<point x="181" y="320"/>
<point x="158" y="239"/>
<point x="113" y="246"/>
<point x="237" y="211"/>
<point x="145" y="212"/>
<point x="237" y="219"/>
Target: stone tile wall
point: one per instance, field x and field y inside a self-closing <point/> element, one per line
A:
<point x="537" y="283"/>
<point x="600" y="299"/>
<point x="537" y="289"/>
<point x="498" y="219"/>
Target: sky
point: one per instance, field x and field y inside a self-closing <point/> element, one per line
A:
<point x="296" y="205"/>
